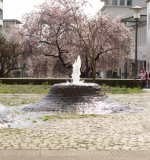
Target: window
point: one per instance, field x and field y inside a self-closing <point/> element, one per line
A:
<point x="1" y="14"/>
<point x="138" y="38"/>
<point x="146" y="36"/>
<point x="5" y="24"/>
<point x="142" y="36"/>
<point x="129" y="2"/>
<point x="122" y="2"/>
<point x="114" y="2"/>
<point x="6" y="31"/>
<point x="107" y="2"/>
<point x="149" y="21"/>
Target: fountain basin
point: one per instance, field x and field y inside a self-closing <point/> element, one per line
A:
<point x="84" y="98"/>
<point x="65" y="97"/>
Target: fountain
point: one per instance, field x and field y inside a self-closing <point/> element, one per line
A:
<point x="76" y="71"/>
<point x="78" y="97"/>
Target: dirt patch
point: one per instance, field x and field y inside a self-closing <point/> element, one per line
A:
<point x="9" y="99"/>
<point x="20" y="99"/>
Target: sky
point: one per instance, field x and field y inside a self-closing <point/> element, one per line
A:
<point x="14" y="9"/>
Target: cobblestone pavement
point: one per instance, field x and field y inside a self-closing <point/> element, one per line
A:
<point x="106" y="132"/>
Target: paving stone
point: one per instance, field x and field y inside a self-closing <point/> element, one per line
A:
<point x="111" y="131"/>
<point x="34" y="148"/>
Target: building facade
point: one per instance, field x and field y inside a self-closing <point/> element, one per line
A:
<point x="141" y="50"/>
<point x="1" y="14"/>
<point x="7" y="25"/>
<point x="121" y="7"/>
<point x="148" y="37"/>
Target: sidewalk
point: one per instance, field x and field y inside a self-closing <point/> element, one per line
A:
<point x="73" y="155"/>
<point x="146" y="89"/>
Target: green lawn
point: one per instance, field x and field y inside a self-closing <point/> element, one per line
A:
<point x="45" y="88"/>
<point x="121" y="90"/>
<point x="26" y="89"/>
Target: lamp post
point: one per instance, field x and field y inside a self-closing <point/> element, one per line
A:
<point x="136" y="10"/>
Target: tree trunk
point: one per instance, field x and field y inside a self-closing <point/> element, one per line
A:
<point x="94" y="74"/>
<point x="91" y="72"/>
<point x="87" y="68"/>
<point x="1" y="74"/>
<point x="2" y="71"/>
<point x="94" y="71"/>
<point x="83" y="74"/>
<point x="125" y="70"/>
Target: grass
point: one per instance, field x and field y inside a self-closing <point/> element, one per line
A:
<point x="71" y="116"/>
<point x="25" y="89"/>
<point x="121" y="90"/>
<point x="16" y="112"/>
<point x="45" y="88"/>
<point x="24" y="112"/>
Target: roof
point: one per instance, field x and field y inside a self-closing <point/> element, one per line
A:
<point x="12" y="20"/>
<point x="143" y="19"/>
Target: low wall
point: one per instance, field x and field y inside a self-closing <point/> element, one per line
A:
<point x="38" y="81"/>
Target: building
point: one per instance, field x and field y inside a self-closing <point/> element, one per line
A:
<point x="148" y="38"/>
<point x="1" y="14"/>
<point x="141" y="48"/>
<point x="7" y="25"/>
<point x="121" y="7"/>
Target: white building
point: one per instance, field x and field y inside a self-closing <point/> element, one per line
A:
<point x="141" y="48"/>
<point x="1" y="14"/>
<point x="121" y="7"/>
<point x="7" y="26"/>
<point x="148" y="37"/>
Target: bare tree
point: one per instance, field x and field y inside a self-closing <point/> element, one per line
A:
<point x="9" y="56"/>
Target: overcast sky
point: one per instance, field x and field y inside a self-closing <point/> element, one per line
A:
<point x="14" y="9"/>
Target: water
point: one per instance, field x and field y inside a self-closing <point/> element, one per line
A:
<point x="9" y="119"/>
<point x="76" y="71"/>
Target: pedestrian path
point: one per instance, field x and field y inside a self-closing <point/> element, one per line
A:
<point x="73" y="155"/>
<point x="105" y="132"/>
<point x="146" y="89"/>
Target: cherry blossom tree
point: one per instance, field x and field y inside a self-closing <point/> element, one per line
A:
<point x="60" y="30"/>
<point x="46" y="38"/>
<point x="105" y="40"/>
